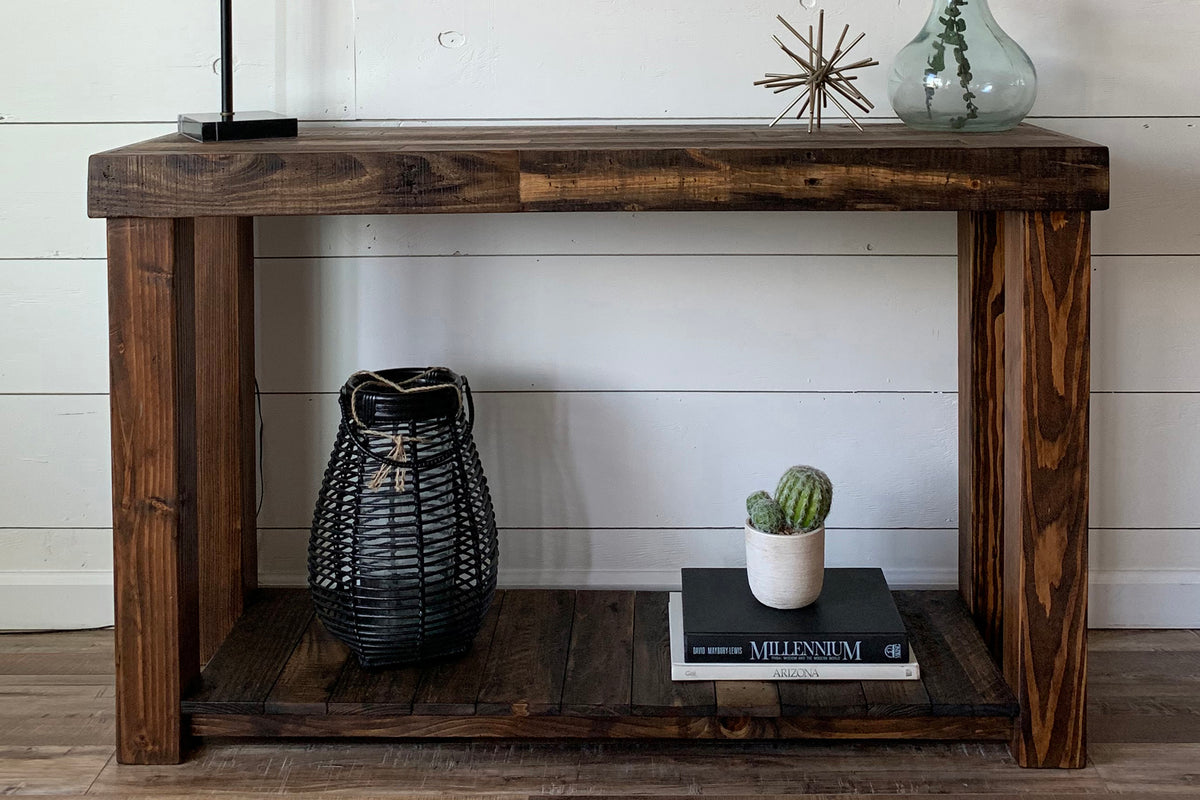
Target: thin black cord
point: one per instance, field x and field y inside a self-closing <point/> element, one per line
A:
<point x="262" y="489"/>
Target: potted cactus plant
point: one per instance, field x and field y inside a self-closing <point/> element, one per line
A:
<point x="785" y="539"/>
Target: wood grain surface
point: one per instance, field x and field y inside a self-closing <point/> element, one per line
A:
<point x="225" y="502"/>
<point x="240" y="676"/>
<point x="1143" y="686"/>
<point x="56" y="737"/>
<point x="576" y="168"/>
<point x="153" y="401"/>
<point x="309" y="675"/>
<point x="654" y="693"/>
<point x="957" y="673"/>
<point x="453" y="687"/>
<point x="1047" y="349"/>
<point x="375" y="692"/>
<point x="981" y="420"/>
<point x="747" y="698"/>
<point x="897" y="699"/>
<point x="57" y="689"/>
<point x="304" y="182"/>
<point x="600" y="664"/>
<point x="822" y="699"/>
<point x="991" y="692"/>
<point x="602" y="656"/>
<point x="527" y="663"/>
<point x="541" y="138"/>
<point x="808" y="178"/>
<point x="574" y="727"/>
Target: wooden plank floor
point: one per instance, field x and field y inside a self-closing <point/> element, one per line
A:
<point x="56" y="740"/>
<point x="559" y="663"/>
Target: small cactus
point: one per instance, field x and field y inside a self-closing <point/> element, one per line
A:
<point x="805" y="494"/>
<point x="755" y="498"/>
<point x="801" y="503"/>
<point x="765" y="513"/>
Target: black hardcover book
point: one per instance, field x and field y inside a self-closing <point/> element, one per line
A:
<point x="854" y="621"/>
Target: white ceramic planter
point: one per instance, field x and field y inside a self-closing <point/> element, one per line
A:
<point x="785" y="571"/>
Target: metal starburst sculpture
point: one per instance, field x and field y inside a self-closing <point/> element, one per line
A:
<point x="820" y="80"/>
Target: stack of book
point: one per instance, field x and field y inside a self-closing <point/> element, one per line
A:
<point x="719" y="632"/>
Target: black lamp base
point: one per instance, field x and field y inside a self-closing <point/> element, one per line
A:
<point x="241" y="125"/>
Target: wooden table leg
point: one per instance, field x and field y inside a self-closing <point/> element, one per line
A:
<point x="981" y="420"/>
<point x="1047" y="259"/>
<point x="225" y="427"/>
<point x="152" y="331"/>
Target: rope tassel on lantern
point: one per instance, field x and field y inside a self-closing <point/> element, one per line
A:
<point x="398" y="453"/>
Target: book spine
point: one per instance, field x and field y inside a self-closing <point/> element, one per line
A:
<point x="743" y="649"/>
<point x="795" y="672"/>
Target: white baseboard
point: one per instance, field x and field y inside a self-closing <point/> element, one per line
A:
<point x="66" y="600"/>
<point x="1144" y="599"/>
<point x="58" y="600"/>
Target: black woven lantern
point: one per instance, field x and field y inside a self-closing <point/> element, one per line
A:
<point x="403" y="553"/>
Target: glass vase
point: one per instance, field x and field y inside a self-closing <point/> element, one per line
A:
<point x="962" y="73"/>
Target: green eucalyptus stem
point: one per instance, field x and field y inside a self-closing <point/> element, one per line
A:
<point x="953" y="36"/>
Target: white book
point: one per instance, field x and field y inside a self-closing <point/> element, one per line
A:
<point x="691" y="671"/>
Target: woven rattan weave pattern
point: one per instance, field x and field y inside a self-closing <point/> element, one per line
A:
<point x="403" y="553"/>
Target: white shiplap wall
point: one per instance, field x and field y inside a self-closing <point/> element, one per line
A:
<point x="639" y="374"/>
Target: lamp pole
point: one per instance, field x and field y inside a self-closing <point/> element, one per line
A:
<point x="226" y="59"/>
<point x="227" y="125"/>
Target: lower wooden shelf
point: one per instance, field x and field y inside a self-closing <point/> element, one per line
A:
<point x="586" y="664"/>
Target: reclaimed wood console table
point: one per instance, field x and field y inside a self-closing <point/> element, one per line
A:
<point x="201" y="651"/>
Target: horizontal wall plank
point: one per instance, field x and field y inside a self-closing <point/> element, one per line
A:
<point x="517" y="322"/>
<point x="56" y="550"/>
<point x="592" y="233"/>
<point x="644" y="460"/>
<point x="43" y="178"/>
<point x="1145" y="460"/>
<point x="698" y="58"/>
<point x="1155" y="192"/>
<point x="1146" y="324"/>
<point x="294" y="57"/>
<point x="722" y="323"/>
<point x="54" y="461"/>
<point x="713" y="323"/>
<point x="54" y="326"/>
<point x="662" y="459"/>
<point x="652" y="558"/>
<point x="1124" y="550"/>
<point x="599" y="460"/>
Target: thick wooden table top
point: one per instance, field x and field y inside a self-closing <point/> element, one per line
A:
<point x="399" y="170"/>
